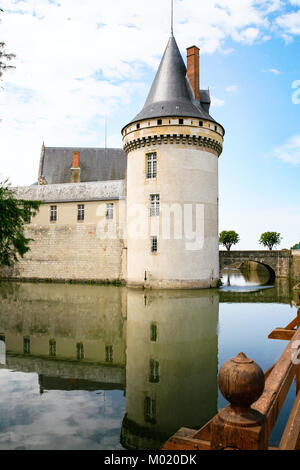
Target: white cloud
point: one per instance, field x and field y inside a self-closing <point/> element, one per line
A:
<point x="232" y="88"/>
<point x="275" y="71"/>
<point x="217" y="102"/>
<point x="289" y="23"/>
<point x="290" y="151"/>
<point x="78" y="62"/>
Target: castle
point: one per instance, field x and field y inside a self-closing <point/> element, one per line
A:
<point x="146" y="215"/>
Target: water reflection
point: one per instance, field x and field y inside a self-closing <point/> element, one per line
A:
<point x="251" y="276"/>
<point x="89" y="367"/>
<point x="172" y="364"/>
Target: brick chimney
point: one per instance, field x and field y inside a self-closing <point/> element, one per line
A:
<point x="75" y="169"/>
<point x="193" y="70"/>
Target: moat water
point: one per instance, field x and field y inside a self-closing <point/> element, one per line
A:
<point x="97" y="367"/>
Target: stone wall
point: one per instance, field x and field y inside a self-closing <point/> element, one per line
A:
<point x="68" y="249"/>
<point x="296" y="265"/>
<point x="70" y="253"/>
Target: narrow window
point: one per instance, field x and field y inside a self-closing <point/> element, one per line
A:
<point x="151" y="165"/>
<point x="80" y="212"/>
<point x="109" y="211"/>
<point x="138" y="126"/>
<point x="80" y="351"/>
<point x="159" y="122"/>
<point x="201" y="123"/>
<point x="109" y="354"/>
<point x="154" y="372"/>
<point x="154" y="205"/>
<point x="2" y="350"/>
<point x="180" y="121"/>
<point x="26" y="345"/>
<point x="154" y="245"/>
<point x="53" y="213"/>
<point x="216" y="128"/>
<point x="153" y="333"/>
<point x="150" y="410"/>
<point x="52" y="348"/>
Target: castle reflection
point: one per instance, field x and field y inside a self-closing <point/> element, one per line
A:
<point x="161" y="348"/>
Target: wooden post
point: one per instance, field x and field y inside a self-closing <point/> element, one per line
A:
<point x="238" y="426"/>
<point x="298" y="368"/>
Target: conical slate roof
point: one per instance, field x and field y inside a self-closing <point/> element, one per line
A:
<point x="171" y="93"/>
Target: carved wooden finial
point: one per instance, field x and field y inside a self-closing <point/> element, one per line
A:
<point x="242" y="382"/>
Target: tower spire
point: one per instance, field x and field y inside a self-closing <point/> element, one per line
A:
<point x="172" y="17"/>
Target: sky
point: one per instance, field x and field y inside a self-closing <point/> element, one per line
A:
<point x="79" y="63"/>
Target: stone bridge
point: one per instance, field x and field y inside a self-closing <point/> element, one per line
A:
<point x="278" y="263"/>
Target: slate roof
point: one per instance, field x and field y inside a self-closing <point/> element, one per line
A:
<point x="97" y="164"/>
<point x="171" y="93"/>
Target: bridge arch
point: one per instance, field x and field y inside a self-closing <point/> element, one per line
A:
<point x="276" y="262"/>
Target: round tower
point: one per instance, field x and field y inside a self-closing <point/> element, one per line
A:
<point x="172" y="148"/>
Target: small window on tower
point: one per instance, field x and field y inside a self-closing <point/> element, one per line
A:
<point x="151" y="165"/>
<point x="53" y="213"/>
<point x="154" y="205"/>
<point x="154" y="245"/>
<point x="138" y="126"/>
<point x="181" y="121"/>
<point x="201" y="123"/>
<point x="159" y="122"/>
<point x="80" y="212"/>
<point x="216" y="128"/>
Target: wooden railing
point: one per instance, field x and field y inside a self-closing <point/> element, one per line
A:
<point x="256" y="400"/>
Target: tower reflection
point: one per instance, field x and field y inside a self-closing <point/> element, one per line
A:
<point x="171" y="364"/>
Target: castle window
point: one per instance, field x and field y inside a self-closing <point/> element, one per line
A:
<point x="53" y="213"/>
<point x="138" y="126"/>
<point x="52" y="348"/>
<point x="154" y="245"/>
<point x="154" y="372"/>
<point x="216" y="128"/>
<point x="154" y="205"/>
<point x="26" y="345"/>
<point x="159" y="122"/>
<point x="80" y="212"/>
<point x="80" y="351"/>
<point x="150" y="410"/>
<point x="201" y="123"/>
<point x="151" y="165"/>
<point x="109" y="354"/>
<point x="109" y="211"/>
<point x="153" y="333"/>
<point x="181" y="121"/>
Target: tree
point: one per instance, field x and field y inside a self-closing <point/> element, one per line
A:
<point x="296" y="247"/>
<point x="5" y="57"/>
<point x="14" y="215"/>
<point x="270" y="239"/>
<point x="228" y="239"/>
